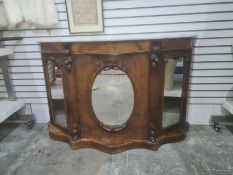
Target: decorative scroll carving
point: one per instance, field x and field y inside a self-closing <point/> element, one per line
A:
<point x="111" y="66"/>
<point x="108" y="65"/>
<point x="62" y="61"/>
<point x="152" y="138"/>
<point x="58" y="61"/>
<point x="111" y="128"/>
<point x="68" y="63"/>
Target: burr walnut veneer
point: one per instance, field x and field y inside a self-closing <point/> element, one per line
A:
<point x="144" y="63"/>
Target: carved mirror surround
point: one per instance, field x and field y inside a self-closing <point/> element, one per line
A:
<point x="112" y="98"/>
<point x="115" y="96"/>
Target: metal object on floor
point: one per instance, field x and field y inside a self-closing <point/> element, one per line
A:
<point x="30" y="121"/>
<point x="217" y="121"/>
<point x="217" y="128"/>
<point x="17" y="108"/>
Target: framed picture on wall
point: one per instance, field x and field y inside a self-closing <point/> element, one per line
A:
<point x="85" y="16"/>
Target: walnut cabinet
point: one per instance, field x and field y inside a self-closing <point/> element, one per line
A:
<point x="71" y="69"/>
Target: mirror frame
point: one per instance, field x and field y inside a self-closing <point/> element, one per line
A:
<point x="114" y="128"/>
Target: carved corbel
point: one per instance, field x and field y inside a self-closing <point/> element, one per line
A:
<point x="152" y="138"/>
<point x="154" y="60"/>
<point x="76" y="131"/>
<point x="68" y="63"/>
<point x="154" y="57"/>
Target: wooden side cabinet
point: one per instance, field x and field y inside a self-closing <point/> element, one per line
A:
<point x="79" y="74"/>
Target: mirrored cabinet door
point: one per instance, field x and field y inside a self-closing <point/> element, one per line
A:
<point x="54" y="75"/>
<point x="172" y="92"/>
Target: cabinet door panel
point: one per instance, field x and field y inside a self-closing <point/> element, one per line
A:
<point x="135" y="66"/>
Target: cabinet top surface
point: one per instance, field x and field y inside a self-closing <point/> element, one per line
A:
<point x="115" y="47"/>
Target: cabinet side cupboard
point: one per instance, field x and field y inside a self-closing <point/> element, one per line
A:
<point x="118" y="95"/>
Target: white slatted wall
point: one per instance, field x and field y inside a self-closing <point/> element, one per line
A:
<point x="210" y="20"/>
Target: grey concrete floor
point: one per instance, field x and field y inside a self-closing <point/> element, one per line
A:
<point x="32" y="152"/>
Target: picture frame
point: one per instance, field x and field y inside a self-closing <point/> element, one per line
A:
<point x="85" y="16"/>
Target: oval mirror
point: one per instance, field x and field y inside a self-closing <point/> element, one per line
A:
<point x="112" y="98"/>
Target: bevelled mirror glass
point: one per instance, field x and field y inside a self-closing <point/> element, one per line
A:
<point x="112" y="97"/>
<point x="57" y="95"/>
<point x="172" y="91"/>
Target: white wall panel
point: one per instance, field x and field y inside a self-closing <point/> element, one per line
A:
<point x="149" y="3"/>
<point x="29" y="69"/>
<point x="213" y="50"/>
<point x="41" y="112"/>
<point x="211" y="94"/>
<point x="213" y="65"/>
<point x="24" y="76"/>
<point x="26" y="62"/>
<point x="215" y="42"/>
<point x="26" y="48"/>
<point x="209" y="73"/>
<point x="30" y="88"/>
<point x="207" y="80"/>
<point x="171" y="10"/>
<point x="207" y="101"/>
<point x="211" y="87"/>
<point x="26" y="55"/>
<point x="34" y="82"/>
<point x="211" y="57"/>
